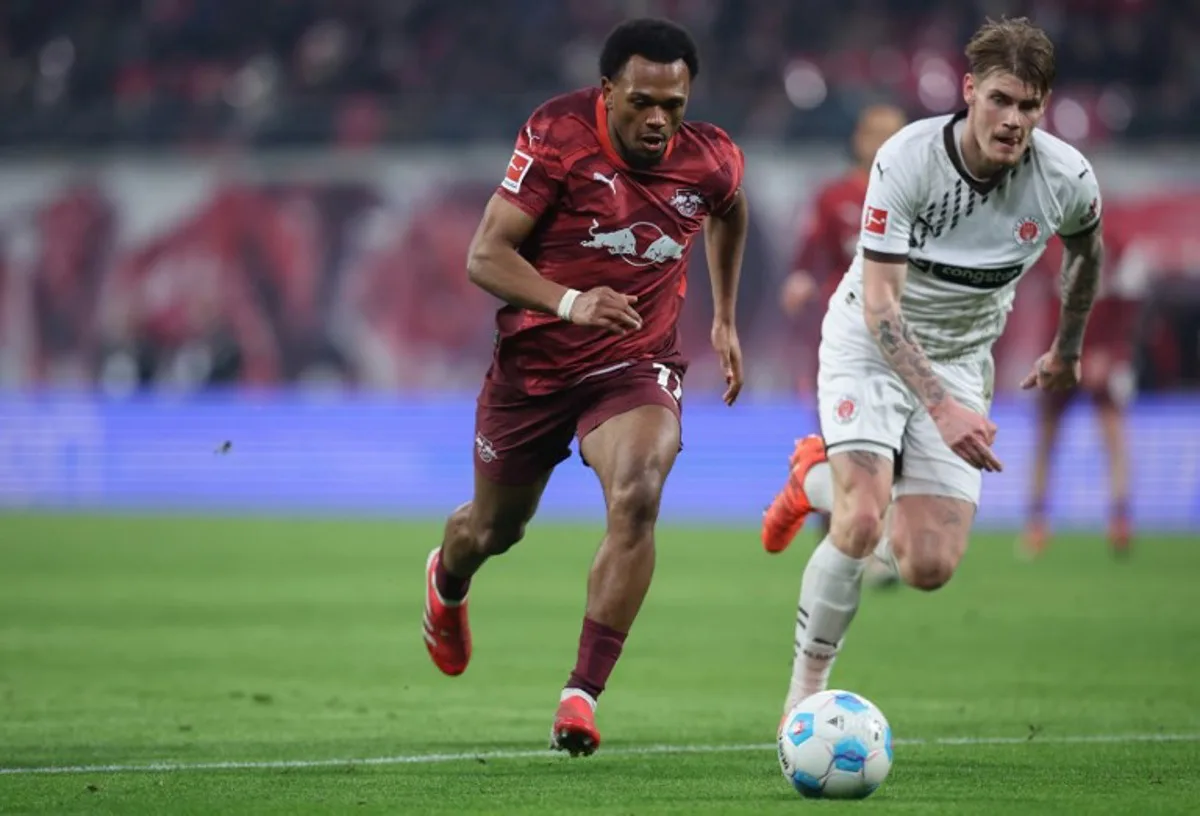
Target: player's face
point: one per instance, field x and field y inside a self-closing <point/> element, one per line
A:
<point x="645" y="105"/>
<point x="875" y="126"/>
<point x="1003" y="111"/>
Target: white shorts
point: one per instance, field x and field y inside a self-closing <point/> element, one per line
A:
<point x="865" y="405"/>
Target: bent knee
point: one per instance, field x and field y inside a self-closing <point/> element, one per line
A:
<point x="928" y="559"/>
<point x="633" y="505"/>
<point x="928" y="574"/>
<point x="493" y="536"/>
<point x="858" y="531"/>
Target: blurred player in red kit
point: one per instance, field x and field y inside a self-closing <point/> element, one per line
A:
<point x="826" y="249"/>
<point x="587" y="241"/>
<point x="1108" y="383"/>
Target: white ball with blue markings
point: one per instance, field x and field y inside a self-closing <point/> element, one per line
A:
<point x="835" y="745"/>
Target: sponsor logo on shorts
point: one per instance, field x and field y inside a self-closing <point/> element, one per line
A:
<point x="968" y="276"/>
<point x="484" y="449"/>
<point x="1027" y="231"/>
<point x="845" y="409"/>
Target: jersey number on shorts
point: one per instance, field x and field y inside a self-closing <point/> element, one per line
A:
<point x="665" y="373"/>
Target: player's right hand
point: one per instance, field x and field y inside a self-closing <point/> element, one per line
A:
<point x="798" y="289"/>
<point x="968" y="434"/>
<point x="607" y="309"/>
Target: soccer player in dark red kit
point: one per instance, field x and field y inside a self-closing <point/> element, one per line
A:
<point x="1108" y="382"/>
<point x="587" y="241"/>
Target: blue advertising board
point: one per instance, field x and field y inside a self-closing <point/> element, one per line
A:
<point x="411" y="456"/>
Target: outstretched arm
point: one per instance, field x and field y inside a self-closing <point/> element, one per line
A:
<point x="883" y="281"/>
<point x="1083" y="257"/>
<point x="724" y="245"/>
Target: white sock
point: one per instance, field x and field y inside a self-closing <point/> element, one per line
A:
<point x="574" y="692"/>
<point x="886" y="556"/>
<point x="829" y="594"/>
<point x="818" y="486"/>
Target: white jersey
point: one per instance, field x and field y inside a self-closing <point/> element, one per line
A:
<point x="967" y="242"/>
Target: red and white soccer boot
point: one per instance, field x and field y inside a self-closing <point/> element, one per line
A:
<point x="787" y="513"/>
<point x="1120" y="536"/>
<point x="447" y="633"/>
<point x="574" y="729"/>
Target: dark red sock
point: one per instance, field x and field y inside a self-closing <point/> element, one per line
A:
<point x="599" y="648"/>
<point x="1037" y="510"/>
<point x="450" y="587"/>
<point x="1119" y="511"/>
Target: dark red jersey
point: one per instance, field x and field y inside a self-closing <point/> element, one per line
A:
<point x="830" y="238"/>
<point x="602" y="223"/>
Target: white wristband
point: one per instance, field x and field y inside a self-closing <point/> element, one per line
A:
<point x="564" y="305"/>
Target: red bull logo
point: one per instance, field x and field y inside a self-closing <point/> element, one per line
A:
<point x="639" y="244"/>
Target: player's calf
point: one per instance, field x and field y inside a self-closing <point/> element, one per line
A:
<point x="632" y="453"/>
<point x="471" y="538"/>
<point x="832" y="584"/>
<point x="487" y="525"/>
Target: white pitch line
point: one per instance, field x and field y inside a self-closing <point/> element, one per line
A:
<point x="478" y="756"/>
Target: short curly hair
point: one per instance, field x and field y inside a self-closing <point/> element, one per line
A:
<point x="656" y="40"/>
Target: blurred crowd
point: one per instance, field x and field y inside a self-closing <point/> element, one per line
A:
<point x="165" y="275"/>
<point x="137" y="271"/>
<point x="204" y="73"/>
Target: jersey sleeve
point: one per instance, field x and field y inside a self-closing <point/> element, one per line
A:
<point x="891" y="205"/>
<point x="535" y="171"/>
<point x="1084" y="204"/>
<point x="726" y="180"/>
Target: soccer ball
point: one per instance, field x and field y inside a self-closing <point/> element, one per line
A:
<point x="835" y="745"/>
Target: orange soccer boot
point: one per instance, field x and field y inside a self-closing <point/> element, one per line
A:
<point x="787" y="513"/>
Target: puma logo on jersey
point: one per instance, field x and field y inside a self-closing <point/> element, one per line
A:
<point x="611" y="182"/>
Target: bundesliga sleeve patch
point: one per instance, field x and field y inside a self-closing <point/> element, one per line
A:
<point x="876" y="221"/>
<point x="518" y="166"/>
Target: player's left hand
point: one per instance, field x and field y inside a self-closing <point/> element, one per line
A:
<point x="1054" y="373"/>
<point x="725" y="341"/>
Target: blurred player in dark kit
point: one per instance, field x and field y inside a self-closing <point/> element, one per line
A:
<point x="825" y="252"/>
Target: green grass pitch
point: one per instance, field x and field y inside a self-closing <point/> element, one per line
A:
<point x="1019" y="688"/>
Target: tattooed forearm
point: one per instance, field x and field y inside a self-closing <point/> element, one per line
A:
<point x="1080" y="280"/>
<point x="904" y="353"/>
<point x="883" y="284"/>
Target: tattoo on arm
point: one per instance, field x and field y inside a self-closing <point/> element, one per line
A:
<point x="1080" y="280"/>
<point x="865" y="460"/>
<point x="904" y="353"/>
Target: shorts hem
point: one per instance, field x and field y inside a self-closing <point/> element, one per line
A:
<point x="868" y="445"/>
<point x="918" y="486"/>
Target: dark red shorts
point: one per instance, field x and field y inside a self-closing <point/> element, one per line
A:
<point x="520" y="438"/>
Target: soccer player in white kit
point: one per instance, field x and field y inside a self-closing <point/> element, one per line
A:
<point x="957" y="209"/>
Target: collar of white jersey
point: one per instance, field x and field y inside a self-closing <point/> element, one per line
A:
<point x="954" y="153"/>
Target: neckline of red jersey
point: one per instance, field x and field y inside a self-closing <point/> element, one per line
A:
<point x="609" y="148"/>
